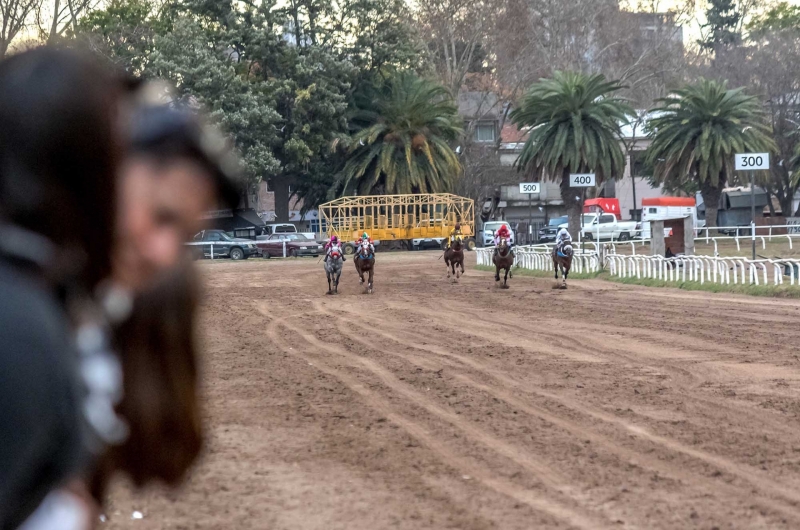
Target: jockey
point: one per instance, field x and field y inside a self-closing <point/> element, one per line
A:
<point x="503" y="232"/>
<point x="365" y="238"/>
<point x="454" y="233"/>
<point x="333" y="247"/>
<point x="562" y="237"/>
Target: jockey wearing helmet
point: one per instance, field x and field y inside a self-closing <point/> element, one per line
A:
<point x="365" y="239"/>
<point x="454" y="233"/>
<point x="333" y="248"/>
<point x="562" y="237"/>
<point x="503" y="233"/>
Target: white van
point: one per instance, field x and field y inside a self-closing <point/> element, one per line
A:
<point x="489" y="229"/>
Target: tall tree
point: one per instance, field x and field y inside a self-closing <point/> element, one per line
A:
<point x="696" y="132"/>
<point x="205" y="75"/>
<point x="123" y="33"/>
<point x="14" y="17"/>
<point x="575" y="127"/>
<point x="774" y="52"/>
<point x="403" y="145"/>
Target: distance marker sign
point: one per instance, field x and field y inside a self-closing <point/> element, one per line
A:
<point x="581" y="180"/>
<point x="529" y="187"/>
<point x="752" y="161"/>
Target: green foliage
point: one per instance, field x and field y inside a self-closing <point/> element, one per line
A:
<point x="575" y="122"/>
<point x="782" y="17"/>
<point x="402" y="144"/>
<point x="204" y="75"/>
<point x="699" y="128"/>
<point x="123" y="33"/>
<point x="722" y="25"/>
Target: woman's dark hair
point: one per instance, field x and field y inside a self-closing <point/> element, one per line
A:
<point x="158" y="352"/>
<point x="58" y="155"/>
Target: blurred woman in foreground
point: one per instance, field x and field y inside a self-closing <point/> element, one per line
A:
<point x="59" y="148"/>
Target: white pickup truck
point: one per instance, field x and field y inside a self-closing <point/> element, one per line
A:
<point x="605" y="226"/>
<point x="287" y="228"/>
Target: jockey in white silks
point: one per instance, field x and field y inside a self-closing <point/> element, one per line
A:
<point x="562" y="237"/>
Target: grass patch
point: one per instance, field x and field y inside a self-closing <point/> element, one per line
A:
<point x="774" y="291"/>
<point x="544" y="274"/>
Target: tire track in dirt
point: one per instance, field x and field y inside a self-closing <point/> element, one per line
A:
<point x="748" y="474"/>
<point x="546" y="476"/>
<point x="608" y="355"/>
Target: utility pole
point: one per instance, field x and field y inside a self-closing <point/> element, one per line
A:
<point x="753" y="211"/>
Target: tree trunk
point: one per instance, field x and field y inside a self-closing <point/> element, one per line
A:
<point x="280" y="185"/>
<point x="711" y="195"/>
<point x="572" y="203"/>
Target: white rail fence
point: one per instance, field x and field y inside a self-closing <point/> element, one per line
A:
<point x="731" y="270"/>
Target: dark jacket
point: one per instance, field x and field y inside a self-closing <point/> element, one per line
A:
<point x="41" y="433"/>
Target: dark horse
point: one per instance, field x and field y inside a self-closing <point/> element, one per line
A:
<point x="365" y="262"/>
<point x="503" y="259"/>
<point x="563" y="258"/>
<point x="454" y="258"/>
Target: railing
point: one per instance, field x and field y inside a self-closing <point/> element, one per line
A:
<point x="731" y="270"/>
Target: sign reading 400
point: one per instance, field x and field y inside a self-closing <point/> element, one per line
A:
<point x="581" y="180"/>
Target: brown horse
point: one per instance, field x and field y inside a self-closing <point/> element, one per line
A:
<point x="563" y="258"/>
<point x="503" y="259"/>
<point x="454" y="258"/>
<point x="365" y="262"/>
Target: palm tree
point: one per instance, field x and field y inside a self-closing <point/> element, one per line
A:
<point x="403" y="142"/>
<point x="695" y="134"/>
<point x="574" y="122"/>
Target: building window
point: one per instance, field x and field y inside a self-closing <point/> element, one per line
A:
<point x="485" y="132"/>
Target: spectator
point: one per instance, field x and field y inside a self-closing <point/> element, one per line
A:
<point x="58" y="158"/>
<point x="177" y="169"/>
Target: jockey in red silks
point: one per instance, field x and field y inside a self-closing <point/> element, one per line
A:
<point x="503" y="232"/>
<point x="334" y="248"/>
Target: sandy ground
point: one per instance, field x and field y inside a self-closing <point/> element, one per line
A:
<point x="431" y="404"/>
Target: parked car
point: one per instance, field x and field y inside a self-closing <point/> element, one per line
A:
<point x="547" y="234"/>
<point x="286" y="228"/>
<point x="606" y="226"/>
<point x="296" y="245"/>
<point x="489" y="228"/>
<point x="223" y="245"/>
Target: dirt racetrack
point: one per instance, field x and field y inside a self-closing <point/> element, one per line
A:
<point x="433" y="405"/>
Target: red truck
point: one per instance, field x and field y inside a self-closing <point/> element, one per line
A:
<point x="603" y="206"/>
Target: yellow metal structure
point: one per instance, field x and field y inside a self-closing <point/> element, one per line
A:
<point x="399" y="217"/>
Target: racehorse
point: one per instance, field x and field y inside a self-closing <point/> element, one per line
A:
<point x="454" y="258"/>
<point x="333" y="269"/>
<point x="503" y="259"/>
<point x="563" y="258"/>
<point x="365" y="262"/>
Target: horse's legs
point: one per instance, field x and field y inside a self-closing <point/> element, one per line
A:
<point x="328" y="274"/>
<point x="555" y="267"/>
<point x="496" y="273"/>
<point x="505" y="278"/>
<point x="336" y="282"/>
<point x="369" y="285"/>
